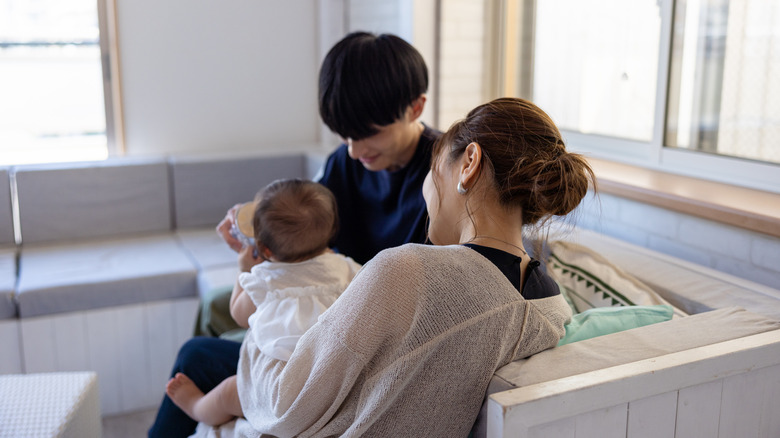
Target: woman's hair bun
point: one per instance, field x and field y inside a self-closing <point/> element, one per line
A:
<point x="558" y="188"/>
<point x="525" y="153"/>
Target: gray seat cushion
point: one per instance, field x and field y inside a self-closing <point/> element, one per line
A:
<point x="206" y="248"/>
<point x="59" y="202"/>
<point x="217" y="263"/>
<point x="6" y="215"/>
<point x="626" y="347"/>
<point x="219" y="277"/>
<point x="204" y="188"/>
<point x="7" y="283"/>
<point x="87" y="275"/>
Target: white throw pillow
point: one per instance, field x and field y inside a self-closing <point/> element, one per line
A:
<point x="592" y="281"/>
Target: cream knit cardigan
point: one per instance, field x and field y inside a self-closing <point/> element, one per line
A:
<point x="407" y="350"/>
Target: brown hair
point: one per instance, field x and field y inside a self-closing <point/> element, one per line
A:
<point x="295" y="219"/>
<point x="525" y="155"/>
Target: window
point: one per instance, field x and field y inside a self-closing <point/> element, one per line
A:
<point x="690" y="86"/>
<point x="725" y="78"/>
<point x="51" y="82"/>
<point x="598" y="76"/>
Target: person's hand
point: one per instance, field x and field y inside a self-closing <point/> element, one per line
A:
<point x="223" y="229"/>
<point x="249" y="257"/>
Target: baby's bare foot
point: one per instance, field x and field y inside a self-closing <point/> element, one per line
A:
<point x="184" y="393"/>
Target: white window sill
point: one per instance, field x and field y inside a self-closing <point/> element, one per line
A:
<point x="746" y="208"/>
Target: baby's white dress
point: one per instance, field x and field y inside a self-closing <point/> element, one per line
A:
<point x="290" y="297"/>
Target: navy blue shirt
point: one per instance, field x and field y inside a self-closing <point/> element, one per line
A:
<point x="379" y="210"/>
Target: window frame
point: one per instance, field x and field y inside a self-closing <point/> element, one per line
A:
<point x="652" y="155"/>
<point x="108" y="48"/>
<point x="112" y="95"/>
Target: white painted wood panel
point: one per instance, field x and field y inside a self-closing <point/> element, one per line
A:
<point x="565" y="428"/>
<point x="698" y="410"/>
<point x="38" y="345"/>
<point x="653" y="417"/>
<point x="161" y="338"/>
<point x="133" y="358"/>
<point x="70" y="342"/>
<point x="751" y="402"/>
<point x="131" y="348"/>
<point x="184" y="312"/>
<point x="603" y="423"/>
<point x="11" y="359"/>
<point x="523" y="408"/>
<point x="103" y="339"/>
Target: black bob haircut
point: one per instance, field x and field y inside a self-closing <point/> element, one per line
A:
<point x="367" y="81"/>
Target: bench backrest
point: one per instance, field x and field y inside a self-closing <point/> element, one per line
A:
<point x="97" y="199"/>
<point x="204" y="188"/>
<point x="6" y="216"/>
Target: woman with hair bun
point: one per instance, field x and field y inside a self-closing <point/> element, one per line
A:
<point x="409" y="348"/>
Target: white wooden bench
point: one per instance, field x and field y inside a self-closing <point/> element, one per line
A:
<point x="713" y="374"/>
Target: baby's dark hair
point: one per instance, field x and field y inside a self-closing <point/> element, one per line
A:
<point x="367" y="81"/>
<point x="525" y="156"/>
<point x="296" y="219"/>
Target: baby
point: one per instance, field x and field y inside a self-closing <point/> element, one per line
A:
<point x="288" y="279"/>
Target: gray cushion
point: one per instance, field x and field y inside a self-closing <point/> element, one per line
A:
<point x="204" y="188"/>
<point x="87" y="200"/>
<point x="104" y="273"/>
<point x="315" y="165"/>
<point x="6" y="217"/>
<point x="7" y="283"/>
<point x="626" y="347"/>
<point x="206" y="248"/>
<point x="691" y="287"/>
<point x="221" y="277"/>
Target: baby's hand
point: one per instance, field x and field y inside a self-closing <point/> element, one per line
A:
<point x="223" y="229"/>
<point x="248" y="257"/>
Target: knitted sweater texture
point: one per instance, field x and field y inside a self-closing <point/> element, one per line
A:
<point x="407" y="350"/>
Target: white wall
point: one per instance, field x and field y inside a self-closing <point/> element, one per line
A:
<point x="412" y="20"/>
<point x="463" y="66"/>
<point x="201" y="75"/>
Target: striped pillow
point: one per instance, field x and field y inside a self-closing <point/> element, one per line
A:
<point x="590" y="281"/>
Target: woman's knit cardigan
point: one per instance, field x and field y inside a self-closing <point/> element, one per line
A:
<point x="407" y="350"/>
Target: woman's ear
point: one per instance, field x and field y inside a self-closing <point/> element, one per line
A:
<point x="471" y="165"/>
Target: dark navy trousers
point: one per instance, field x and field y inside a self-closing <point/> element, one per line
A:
<point x="207" y="361"/>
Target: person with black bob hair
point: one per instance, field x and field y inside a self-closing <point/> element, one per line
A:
<point x="369" y="81"/>
<point x="372" y="94"/>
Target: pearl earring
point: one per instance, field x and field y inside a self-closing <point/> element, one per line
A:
<point x="461" y="189"/>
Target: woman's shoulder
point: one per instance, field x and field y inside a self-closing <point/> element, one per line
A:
<point x="414" y="256"/>
<point x="420" y="249"/>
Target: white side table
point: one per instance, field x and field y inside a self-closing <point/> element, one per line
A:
<point x="50" y="405"/>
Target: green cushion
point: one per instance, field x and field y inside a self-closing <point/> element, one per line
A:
<point x="605" y="320"/>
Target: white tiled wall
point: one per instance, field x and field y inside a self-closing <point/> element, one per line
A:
<point x="381" y="16"/>
<point x="462" y="54"/>
<point x="462" y="59"/>
<point x="730" y="249"/>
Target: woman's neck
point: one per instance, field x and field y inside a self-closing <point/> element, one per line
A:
<point x="496" y="228"/>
